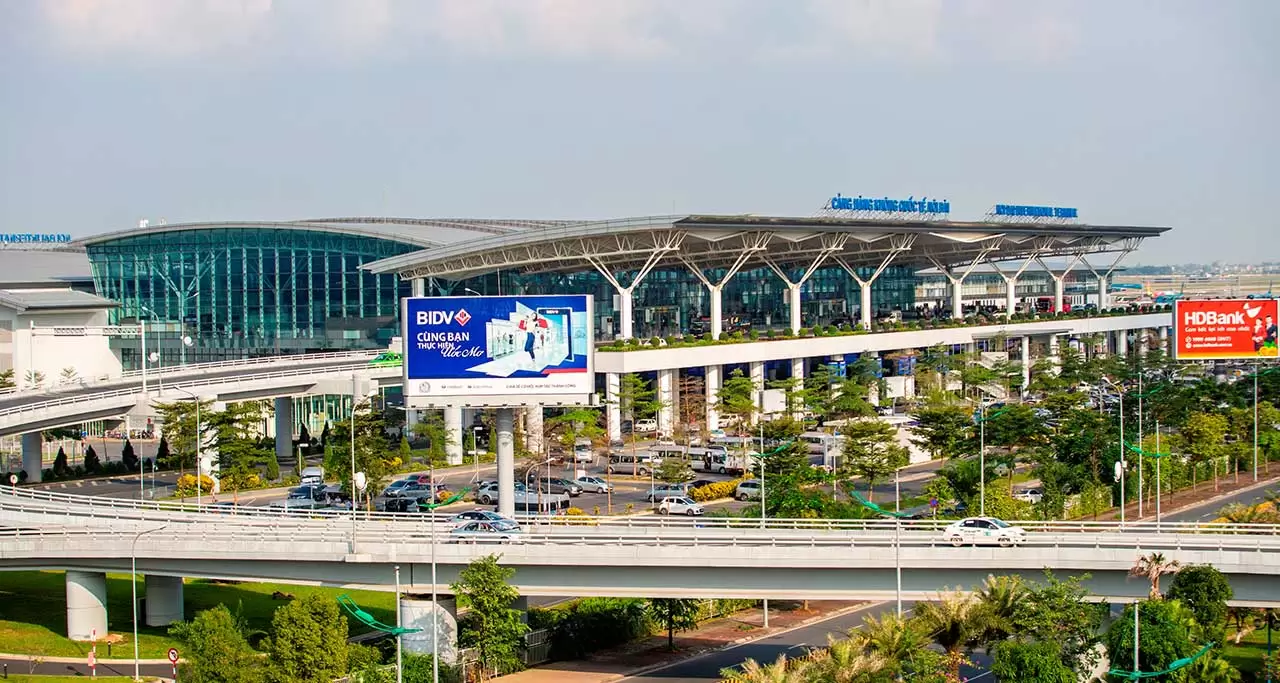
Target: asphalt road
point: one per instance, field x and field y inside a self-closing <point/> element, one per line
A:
<point x="21" y="666"/>
<point x="1207" y="512"/>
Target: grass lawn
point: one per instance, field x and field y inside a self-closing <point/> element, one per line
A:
<point x="1247" y="656"/>
<point x="33" y="612"/>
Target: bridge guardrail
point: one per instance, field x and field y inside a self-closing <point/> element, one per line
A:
<point x="198" y="368"/>
<point x="56" y="506"/>
<point x="84" y="398"/>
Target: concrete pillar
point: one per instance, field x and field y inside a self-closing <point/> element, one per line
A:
<point x="957" y="298"/>
<point x="522" y="604"/>
<point x="438" y="622"/>
<point x="1010" y="296"/>
<point x="1102" y="292"/>
<point x="1164" y="340"/>
<point x="33" y="456"/>
<point x="506" y="462"/>
<point x="453" y="444"/>
<point x="284" y="430"/>
<point x="797" y="373"/>
<point x="1143" y="339"/>
<point x="794" y="307"/>
<point x="1122" y="342"/>
<point x="717" y="316"/>
<point x="713" y="395"/>
<point x="864" y="296"/>
<point x="86" y="605"/>
<point x="209" y="464"/>
<point x="419" y="286"/>
<point x="1026" y="363"/>
<point x="626" y="315"/>
<point x="757" y="380"/>
<point x="164" y="600"/>
<point x="613" y="387"/>
<point x="666" y="401"/>
<point x="533" y="426"/>
<point x="1059" y="293"/>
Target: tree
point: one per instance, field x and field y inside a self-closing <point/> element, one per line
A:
<point x="574" y="424"/>
<point x="179" y="420"/>
<point x="736" y="400"/>
<point x="1030" y="662"/>
<point x="1205" y="435"/>
<point x="675" y="614"/>
<point x="872" y="452"/>
<point x="6" y="379"/>
<point x="128" y="457"/>
<point x="843" y="661"/>
<point x="956" y="622"/>
<point x="162" y="452"/>
<point x="371" y="452"/>
<point x="68" y="375"/>
<point x="239" y="450"/>
<point x="1153" y="566"/>
<point x="431" y="428"/>
<point x="92" y="464"/>
<point x="1015" y="428"/>
<point x="35" y="378"/>
<point x="1055" y="611"/>
<point x="60" y="466"/>
<point x="1164" y="634"/>
<point x="637" y="399"/>
<point x="496" y="630"/>
<point x="999" y="597"/>
<point x="899" y="641"/>
<point x="308" y="642"/>
<point x="215" y="650"/>
<point x="1205" y="591"/>
<point x="943" y="429"/>
<point x="324" y="435"/>
<point x="782" y="670"/>
<point x="1211" y="668"/>
<point x="673" y="471"/>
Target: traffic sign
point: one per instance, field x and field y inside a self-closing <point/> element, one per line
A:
<point x="93" y="659"/>
<point x="173" y="655"/>
<point x="933" y="502"/>
<point x="13" y="479"/>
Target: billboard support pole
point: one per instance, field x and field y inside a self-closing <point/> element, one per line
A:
<point x="506" y="462"/>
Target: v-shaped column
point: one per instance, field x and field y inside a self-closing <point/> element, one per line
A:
<point x="1104" y="278"/>
<point x="899" y="244"/>
<point x="660" y="249"/>
<point x="1011" y="284"/>
<point x="957" y="283"/>
<point x="751" y="244"/>
<point x="831" y="244"/>
<point x="1059" y="281"/>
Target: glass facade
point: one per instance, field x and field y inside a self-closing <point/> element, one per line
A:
<point x="240" y="292"/>
<point x="672" y="300"/>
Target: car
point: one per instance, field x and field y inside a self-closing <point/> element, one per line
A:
<point x="308" y="492"/>
<point x="747" y="490"/>
<point x="1033" y="496"/>
<point x="486" y="532"/>
<point x="397" y="488"/>
<point x="404" y="504"/>
<point x="646" y="426"/>
<point x="557" y="485"/>
<point x="583" y="455"/>
<point x="488" y="494"/>
<point x="478" y="516"/>
<point x="312" y="475"/>
<point x="983" y="531"/>
<point x="679" y="505"/>
<point x="591" y="484"/>
<point x="666" y="491"/>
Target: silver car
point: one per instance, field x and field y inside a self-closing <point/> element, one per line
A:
<point x="594" y="485"/>
<point x="486" y="532"/>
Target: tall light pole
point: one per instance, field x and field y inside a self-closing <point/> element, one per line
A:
<point x="133" y="586"/>
<point x="400" y="636"/>
<point x="1120" y="465"/>
<point x="199" y="436"/>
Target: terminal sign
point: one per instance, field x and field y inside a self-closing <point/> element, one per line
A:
<point x="886" y="205"/>
<point x="1225" y="328"/>
<point x="1022" y="211"/>
<point x="34" y="238"/>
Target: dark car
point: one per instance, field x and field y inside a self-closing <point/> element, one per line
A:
<point x="308" y="492"/>
<point x="403" y="504"/>
<point x="698" y="483"/>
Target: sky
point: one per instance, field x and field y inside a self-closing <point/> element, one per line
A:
<point x="1137" y="112"/>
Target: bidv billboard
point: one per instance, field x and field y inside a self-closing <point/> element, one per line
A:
<point x="1225" y="328"/>
<point x="497" y="350"/>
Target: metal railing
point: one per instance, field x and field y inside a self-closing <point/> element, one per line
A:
<point x="132" y="391"/>
<point x="198" y="368"/>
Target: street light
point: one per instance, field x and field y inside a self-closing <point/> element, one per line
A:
<point x="1120" y="465"/>
<point x="356" y="399"/>
<point x="133" y="584"/>
<point x="471" y="291"/>
<point x="199" y="436"/>
<point x="982" y="453"/>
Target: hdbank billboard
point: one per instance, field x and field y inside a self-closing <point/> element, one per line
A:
<point x="1224" y="328"/>
<point x="497" y="350"/>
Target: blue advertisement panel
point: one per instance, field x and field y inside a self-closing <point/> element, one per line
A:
<point x="460" y="348"/>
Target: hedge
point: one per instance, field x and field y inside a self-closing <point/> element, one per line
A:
<point x="716" y="491"/>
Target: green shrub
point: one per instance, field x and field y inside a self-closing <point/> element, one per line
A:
<point x="590" y="624"/>
<point x="655" y="341"/>
<point x="716" y="491"/>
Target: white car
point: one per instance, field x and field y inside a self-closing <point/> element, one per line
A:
<point x="478" y="516"/>
<point x="747" y="490"/>
<point x="679" y="505"/>
<point x="646" y="426"/>
<point x="983" y="531"/>
<point x="594" y="485"/>
<point x="1033" y="496"/>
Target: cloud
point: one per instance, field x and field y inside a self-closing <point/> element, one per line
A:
<point x="624" y="30"/>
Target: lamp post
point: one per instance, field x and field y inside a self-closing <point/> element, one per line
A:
<point x="1256" y="373"/>
<point x="475" y="449"/>
<point x="133" y="585"/>
<point x="982" y="453"/>
<point x="199" y="437"/>
<point x="1120" y="465"/>
<point x="399" y="636"/>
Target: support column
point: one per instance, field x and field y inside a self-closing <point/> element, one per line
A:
<point x="453" y="440"/>
<point x="86" y="605"/>
<point x="1053" y="352"/>
<point x="1011" y="285"/>
<point x="284" y="429"/>
<point x="613" y="387"/>
<point x="1102" y="293"/>
<point x="1105" y="275"/>
<point x="830" y="244"/>
<point x="506" y="462"/>
<point x="957" y="283"/>
<point x="438" y="621"/>
<point x="1143" y="340"/>
<point x="533" y="426"/>
<point x="626" y="318"/>
<point x="1164" y="340"/>
<point x="419" y="286"/>
<point x="957" y="297"/>
<point x="797" y="373"/>
<point x="210" y="464"/>
<point x="794" y="306"/>
<point x="757" y="382"/>
<point x="1026" y="363"/>
<point x="1122" y="342"/>
<point x="164" y="600"/>
<point x="864" y="303"/>
<point x="751" y="244"/>
<point x="33" y="456"/>
<point x="712" y="383"/>
<point x="1060" y="280"/>
<point x="666" y="401"/>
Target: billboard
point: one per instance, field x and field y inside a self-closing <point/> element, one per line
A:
<point x="497" y="350"/>
<point x="1225" y="328"/>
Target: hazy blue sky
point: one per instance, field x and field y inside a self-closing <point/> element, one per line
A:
<point x="1155" y="112"/>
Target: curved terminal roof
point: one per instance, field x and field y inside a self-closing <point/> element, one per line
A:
<point x="422" y="232"/>
<point x="710" y="242"/>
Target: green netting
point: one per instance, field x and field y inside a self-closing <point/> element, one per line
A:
<point x="448" y="501"/>
<point x="772" y="452"/>
<point x="1173" y="666"/>
<point x="367" y="619"/>
<point x="872" y="506"/>
<point x="1147" y="454"/>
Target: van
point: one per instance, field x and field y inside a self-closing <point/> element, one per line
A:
<point x="821" y="442"/>
<point x="627" y="463"/>
<point x="583" y="451"/>
<point x="670" y="451"/>
<point x="312" y="475"/>
<point x="723" y="463"/>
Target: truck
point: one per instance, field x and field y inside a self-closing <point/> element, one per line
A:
<point x="724" y="463"/>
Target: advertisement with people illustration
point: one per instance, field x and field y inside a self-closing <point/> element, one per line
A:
<point x="1225" y="329"/>
<point x="497" y="345"/>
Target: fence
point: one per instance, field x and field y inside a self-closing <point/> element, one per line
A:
<point x="537" y="647"/>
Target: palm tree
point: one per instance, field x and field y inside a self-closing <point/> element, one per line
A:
<point x="999" y="598"/>
<point x="893" y="638"/>
<point x="1211" y="668"/>
<point x="957" y="622"/>
<point x="781" y="670"/>
<point x="844" y="661"/>
<point x="1153" y="567"/>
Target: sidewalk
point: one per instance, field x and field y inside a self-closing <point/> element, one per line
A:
<point x="651" y="653"/>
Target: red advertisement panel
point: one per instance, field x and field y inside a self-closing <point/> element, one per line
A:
<point x="1225" y="328"/>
